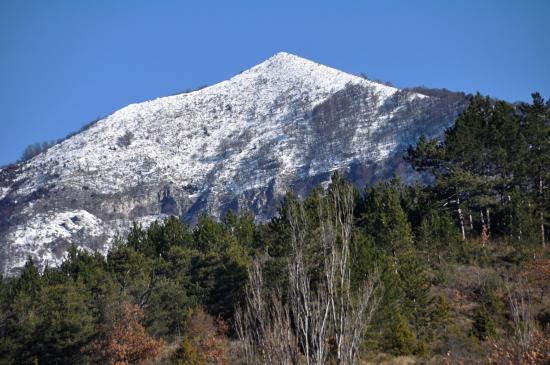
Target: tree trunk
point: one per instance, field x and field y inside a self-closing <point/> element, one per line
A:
<point x="488" y="213"/>
<point x="542" y="238"/>
<point x="461" y="218"/>
<point x="510" y="218"/>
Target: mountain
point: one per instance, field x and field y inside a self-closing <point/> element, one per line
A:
<point x="285" y="124"/>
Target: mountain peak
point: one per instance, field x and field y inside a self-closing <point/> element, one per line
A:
<point x="283" y="54"/>
<point x="285" y="61"/>
<point x="284" y="66"/>
<point x="288" y="57"/>
<point x="284" y="124"/>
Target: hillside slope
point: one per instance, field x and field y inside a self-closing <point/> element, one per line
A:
<point x="286" y="123"/>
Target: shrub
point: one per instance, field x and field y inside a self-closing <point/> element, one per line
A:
<point x="483" y="325"/>
<point x="125" y="140"/>
<point x="35" y="149"/>
<point x="514" y="351"/>
<point x="401" y="339"/>
<point x="205" y="340"/>
<point x="127" y="342"/>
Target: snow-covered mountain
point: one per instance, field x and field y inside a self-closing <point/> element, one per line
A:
<point x="284" y="124"/>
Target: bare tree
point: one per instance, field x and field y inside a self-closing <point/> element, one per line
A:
<point x="125" y="140"/>
<point x="524" y="324"/>
<point x="351" y="312"/>
<point x="264" y="325"/>
<point x="527" y="344"/>
<point x="320" y="304"/>
<point x="310" y="306"/>
<point x="35" y="149"/>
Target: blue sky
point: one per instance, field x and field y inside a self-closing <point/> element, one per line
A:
<point x="64" y="63"/>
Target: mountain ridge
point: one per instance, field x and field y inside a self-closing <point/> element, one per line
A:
<point x="286" y="123"/>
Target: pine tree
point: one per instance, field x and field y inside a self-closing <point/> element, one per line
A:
<point x="401" y="339"/>
<point x="483" y="325"/>
<point x="493" y="148"/>
<point x="382" y="216"/>
<point x="537" y="133"/>
<point x="66" y="324"/>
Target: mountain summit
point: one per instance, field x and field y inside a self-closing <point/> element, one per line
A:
<point x="285" y="124"/>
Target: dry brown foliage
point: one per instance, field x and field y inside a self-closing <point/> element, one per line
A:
<point x="512" y="351"/>
<point x="208" y="337"/>
<point x="538" y="275"/>
<point x="485" y="235"/>
<point x="127" y="342"/>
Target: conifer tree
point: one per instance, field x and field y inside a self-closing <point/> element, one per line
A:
<point x="493" y="149"/>
<point x="537" y="133"/>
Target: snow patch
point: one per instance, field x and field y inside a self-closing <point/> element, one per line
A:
<point x="3" y="192"/>
<point x="33" y="238"/>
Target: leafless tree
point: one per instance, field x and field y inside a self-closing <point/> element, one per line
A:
<point x="351" y="312"/>
<point x="522" y="316"/>
<point x="125" y="140"/>
<point x="310" y="306"/>
<point x="322" y="314"/>
<point x="264" y="325"/>
<point x="526" y="345"/>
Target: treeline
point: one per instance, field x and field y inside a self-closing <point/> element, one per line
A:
<point x="451" y="272"/>
<point x="34" y="149"/>
<point x="494" y="168"/>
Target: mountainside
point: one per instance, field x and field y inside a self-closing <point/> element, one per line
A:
<point x="284" y="124"/>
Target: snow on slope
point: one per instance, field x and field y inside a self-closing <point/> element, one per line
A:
<point x="47" y="227"/>
<point x="180" y="136"/>
<point x="247" y="139"/>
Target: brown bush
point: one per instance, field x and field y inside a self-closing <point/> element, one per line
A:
<point x="537" y="273"/>
<point x="205" y="340"/>
<point x="512" y="351"/>
<point x="127" y="342"/>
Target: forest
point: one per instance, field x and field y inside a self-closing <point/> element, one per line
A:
<point x="455" y="271"/>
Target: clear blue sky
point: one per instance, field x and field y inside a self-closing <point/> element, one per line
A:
<point x="64" y="63"/>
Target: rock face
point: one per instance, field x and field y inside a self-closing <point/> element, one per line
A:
<point x="286" y="123"/>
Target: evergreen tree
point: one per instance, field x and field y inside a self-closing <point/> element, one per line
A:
<point x="382" y="216"/>
<point x="210" y="236"/>
<point x="537" y="131"/>
<point x="65" y="327"/>
<point x="493" y="149"/>
<point x="483" y="325"/>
